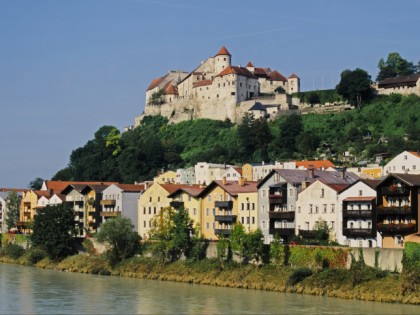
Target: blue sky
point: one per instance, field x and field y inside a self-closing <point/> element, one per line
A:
<point x="68" y="67"/>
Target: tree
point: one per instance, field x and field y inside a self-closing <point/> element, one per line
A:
<point x="253" y="246"/>
<point x="36" y="184"/>
<point x="53" y="230"/>
<point x="313" y="98"/>
<point x="181" y="233"/>
<point x="157" y="98"/>
<point x="355" y="86"/>
<point x="284" y="144"/>
<point x="123" y="242"/>
<point x="12" y="206"/>
<point x="322" y="231"/>
<point x="394" y="66"/>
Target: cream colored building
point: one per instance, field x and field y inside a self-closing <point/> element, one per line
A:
<point x="217" y="89"/>
<point x="220" y="205"/>
<point x="168" y="177"/>
<point x="404" y="85"/>
<point x="205" y="172"/>
<point x="187" y="197"/>
<point x="248" y="209"/>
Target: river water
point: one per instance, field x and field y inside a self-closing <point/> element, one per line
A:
<point x="27" y="290"/>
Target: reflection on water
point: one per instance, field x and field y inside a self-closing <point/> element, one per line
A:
<point x="26" y="290"/>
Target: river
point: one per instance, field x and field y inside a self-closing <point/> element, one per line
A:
<point x="27" y="290"/>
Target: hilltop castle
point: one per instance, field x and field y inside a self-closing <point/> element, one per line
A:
<point x="218" y="90"/>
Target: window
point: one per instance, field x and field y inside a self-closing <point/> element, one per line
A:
<point x="154" y="210"/>
<point x="405" y="157"/>
<point x="150" y="223"/>
<point x="263" y="224"/>
<point x="195" y="211"/>
<point x="232" y="93"/>
<point x="144" y="223"/>
<point x="264" y="193"/>
<point x="332" y="208"/>
<point x="242" y="220"/>
<point x="291" y="192"/>
<point x="214" y="211"/>
<point x="150" y="199"/>
<point x="253" y="220"/>
<point x="242" y="206"/>
<point x="322" y="193"/>
<point x="247" y="220"/>
<point x="324" y="208"/>
<point x="310" y="208"/>
<point x="316" y="209"/>
<point x="262" y="209"/>
<point x="298" y="209"/>
<point x="253" y="206"/>
<point x="144" y="210"/>
<point x="150" y="210"/>
<point x="360" y="193"/>
<point x="209" y="197"/>
<point x="332" y="224"/>
<point x="207" y="212"/>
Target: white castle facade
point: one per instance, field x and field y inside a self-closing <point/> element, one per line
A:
<point x="218" y="90"/>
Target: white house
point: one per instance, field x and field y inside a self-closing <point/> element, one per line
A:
<point x="205" y="172"/>
<point x="233" y="173"/>
<point x="407" y="162"/>
<point x="121" y="199"/>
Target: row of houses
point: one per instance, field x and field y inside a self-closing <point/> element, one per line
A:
<point x="290" y="199"/>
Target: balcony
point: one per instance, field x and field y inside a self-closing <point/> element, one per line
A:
<point x="276" y="199"/>
<point x="225" y="218"/>
<point x="108" y="202"/>
<point x="358" y="232"/>
<point x="176" y="204"/>
<point x="281" y="215"/>
<point x="281" y="231"/>
<point x="307" y="233"/>
<point x="357" y="213"/>
<point x="224" y="204"/>
<point x="394" y="191"/>
<point x="394" y="210"/>
<point x="110" y="213"/>
<point x="225" y="232"/>
<point x="397" y="228"/>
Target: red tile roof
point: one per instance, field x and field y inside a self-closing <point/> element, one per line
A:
<point x="262" y="72"/>
<point x="315" y="164"/>
<point x="155" y="83"/>
<point x="232" y="187"/>
<point x="193" y="191"/>
<point x="293" y="76"/>
<point x="58" y="186"/>
<point x="170" y="89"/>
<point x="238" y="71"/>
<point x="170" y="188"/>
<point x="417" y="154"/>
<point x="276" y="76"/>
<point x="131" y="187"/>
<point x="249" y="64"/>
<point x="223" y="51"/>
<point x="202" y="83"/>
<point x="338" y="187"/>
<point x="14" y="189"/>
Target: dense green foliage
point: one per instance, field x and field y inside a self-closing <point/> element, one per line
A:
<point x="119" y="235"/>
<point x="322" y="96"/>
<point x="53" y="231"/>
<point x="13" y="208"/>
<point x="386" y="124"/>
<point x="12" y="250"/>
<point x="395" y="66"/>
<point x="355" y="86"/>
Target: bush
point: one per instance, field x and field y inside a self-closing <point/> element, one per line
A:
<point x="88" y="247"/>
<point x="298" y="275"/>
<point x="13" y="250"/>
<point x="35" y="255"/>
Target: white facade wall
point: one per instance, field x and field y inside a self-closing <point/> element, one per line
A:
<point x="231" y="174"/>
<point x="316" y="203"/>
<point x="405" y="162"/>
<point x="3" y="212"/>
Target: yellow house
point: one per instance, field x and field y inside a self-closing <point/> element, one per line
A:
<point x="371" y="172"/>
<point x="188" y="198"/>
<point x="247" y="172"/>
<point x="248" y="209"/>
<point x="220" y="203"/>
<point x="154" y="199"/>
<point x="168" y="177"/>
<point x="28" y="205"/>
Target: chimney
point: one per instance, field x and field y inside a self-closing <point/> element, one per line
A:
<point x="311" y="172"/>
<point x="224" y="180"/>
<point x="303" y="185"/>
<point x="241" y="181"/>
<point x="343" y="173"/>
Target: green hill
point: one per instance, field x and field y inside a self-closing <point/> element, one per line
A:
<point x="386" y="124"/>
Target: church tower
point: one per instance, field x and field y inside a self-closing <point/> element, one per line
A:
<point x="222" y="60"/>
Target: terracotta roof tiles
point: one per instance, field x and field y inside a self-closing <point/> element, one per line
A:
<point x="276" y="76"/>
<point x="238" y="71"/>
<point x="223" y="51"/>
<point x="155" y="83"/>
<point x="315" y="164"/>
<point x="202" y="83"/>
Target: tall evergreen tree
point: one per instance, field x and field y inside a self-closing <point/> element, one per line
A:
<point x="12" y="214"/>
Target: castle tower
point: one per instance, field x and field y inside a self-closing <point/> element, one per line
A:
<point x="293" y="83"/>
<point x="222" y="60"/>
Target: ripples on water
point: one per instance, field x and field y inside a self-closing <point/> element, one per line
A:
<point x="26" y="290"/>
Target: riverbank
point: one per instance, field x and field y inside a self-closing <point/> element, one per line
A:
<point x="331" y="282"/>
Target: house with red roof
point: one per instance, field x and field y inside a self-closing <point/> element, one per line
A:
<point x="217" y="89"/>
